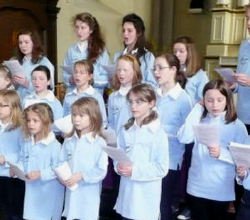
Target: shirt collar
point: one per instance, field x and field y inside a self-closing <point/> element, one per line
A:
<point x="173" y="93"/>
<point x="152" y="126"/>
<point x="49" y="97"/>
<point x="220" y="117"/>
<point x="248" y="39"/>
<point x="82" y="45"/>
<point x="45" y="141"/>
<point x="89" y="137"/>
<point x="3" y="126"/>
<point x="25" y="58"/>
<point x="132" y="52"/>
<point x="90" y="91"/>
<point x="124" y="90"/>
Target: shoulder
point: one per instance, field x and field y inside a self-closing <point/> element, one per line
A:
<point x="117" y="54"/>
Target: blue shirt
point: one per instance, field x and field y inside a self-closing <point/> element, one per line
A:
<point x="72" y="96"/>
<point x="209" y="177"/>
<point x="173" y="109"/>
<point x="84" y="155"/>
<point x="28" y="67"/>
<point x="140" y="194"/>
<point x="243" y="66"/>
<point x="42" y="156"/>
<point x="146" y="66"/>
<point x="100" y="76"/>
<point x="50" y="99"/>
<point x="195" y="85"/>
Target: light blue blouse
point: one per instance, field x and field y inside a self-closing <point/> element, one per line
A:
<point x="42" y="156"/>
<point x="140" y="194"/>
<point x="84" y="155"/>
<point x="146" y="66"/>
<point x="28" y="67"/>
<point x="243" y="66"/>
<point x="209" y="177"/>
<point x="100" y="76"/>
<point x="173" y="109"/>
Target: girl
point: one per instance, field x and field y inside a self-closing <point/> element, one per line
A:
<point x="133" y="33"/>
<point x="146" y="144"/>
<point x="87" y="161"/>
<point x="210" y="184"/>
<point x="91" y="47"/>
<point x="185" y="51"/>
<point x="128" y="74"/>
<point x="11" y="190"/>
<point x="30" y="55"/>
<point x="39" y="156"/>
<point x="83" y="77"/>
<point x="173" y="105"/>
<point x="5" y="78"/>
<point x="40" y="77"/>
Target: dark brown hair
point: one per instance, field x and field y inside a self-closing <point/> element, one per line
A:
<point x="145" y="93"/>
<point x="37" y="50"/>
<point x="225" y="91"/>
<point x="96" y="42"/>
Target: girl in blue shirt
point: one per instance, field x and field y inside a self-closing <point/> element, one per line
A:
<point x="39" y="156"/>
<point x="146" y="144"/>
<point x="91" y="47"/>
<point x="87" y="161"/>
<point x="11" y="190"/>
<point x="173" y="105"/>
<point x="128" y="74"/>
<point x="135" y="43"/>
<point x="211" y="176"/>
<point x="30" y="55"/>
<point x="41" y="82"/>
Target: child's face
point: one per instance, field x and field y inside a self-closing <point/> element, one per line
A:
<point x="40" y="81"/>
<point x="180" y="51"/>
<point x="81" y="76"/>
<point x="25" y="44"/>
<point x="82" y="30"/>
<point x="139" y="108"/>
<point x="215" y="102"/>
<point x="34" y="123"/>
<point x="129" y="34"/>
<point x="81" y="122"/>
<point x="162" y="72"/>
<point x="125" y="72"/>
<point x="5" y="110"/>
<point x="4" y="82"/>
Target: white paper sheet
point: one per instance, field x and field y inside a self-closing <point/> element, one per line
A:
<point x="110" y="137"/>
<point x="14" y="67"/>
<point x="226" y="74"/>
<point x="63" y="125"/>
<point x="117" y="154"/>
<point x="68" y="69"/>
<point x="206" y="134"/>
<point x="240" y="153"/>
<point x="110" y="69"/>
<point x="63" y="172"/>
<point x="17" y="171"/>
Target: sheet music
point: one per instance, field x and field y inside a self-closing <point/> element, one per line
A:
<point x="206" y="134"/>
<point x="63" y="125"/>
<point x="68" y="69"/>
<point x="226" y="74"/>
<point x="14" y="67"/>
<point x="110" y="137"/>
<point x="17" y="171"/>
<point x="240" y="153"/>
<point x="117" y="155"/>
<point x="64" y="173"/>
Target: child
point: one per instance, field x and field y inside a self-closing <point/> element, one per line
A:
<point x="146" y="144"/>
<point x="11" y="190"/>
<point x="211" y="176"/>
<point x="40" y="77"/>
<point x="83" y="77"/>
<point x="5" y="78"/>
<point x="135" y="43"/>
<point x="87" y="160"/>
<point x="91" y="47"/>
<point x="30" y="54"/>
<point x="39" y="156"/>
<point x="127" y="75"/>
<point x="173" y="105"/>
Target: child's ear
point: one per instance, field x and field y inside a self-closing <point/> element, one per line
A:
<point x="152" y="104"/>
<point x="48" y="82"/>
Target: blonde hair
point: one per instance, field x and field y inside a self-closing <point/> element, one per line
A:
<point x="11" y="97"/>
<point x="145" y="93"/>
<point x="88" y="67"/>
<point x="6" y="74"/>
<point x="89" y="106"/>
<point x="45" y="114"/>
<point x="137" y="77"/>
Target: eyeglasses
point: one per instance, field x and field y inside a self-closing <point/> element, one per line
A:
<point x="136" y="102"/>
<point x="160" y="68"/>
<point x="4" y="106"/>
